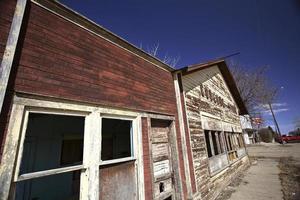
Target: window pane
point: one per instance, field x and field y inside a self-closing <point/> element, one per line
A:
<point x="116" y="138"/>
<point x="59" y="187"/>
<point x="52" y="141"/>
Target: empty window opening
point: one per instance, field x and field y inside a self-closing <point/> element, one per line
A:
<point x="59" y="187"/>
<point x="161" y="187"/>
<point x="52" y="141"/>
<point x="208" y="143"/>
<point x="116" y="139"/>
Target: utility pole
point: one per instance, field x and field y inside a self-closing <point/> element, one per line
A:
<point x="274" y="118"/>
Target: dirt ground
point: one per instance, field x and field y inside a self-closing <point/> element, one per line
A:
<point x="287" y="159"/>
<point x="290" y="178"/>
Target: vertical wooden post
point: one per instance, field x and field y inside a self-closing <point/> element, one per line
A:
<point x="182" y="134"/>
<point x="10" y="150"/>
<point x="10" y="49"/>
<point x="90" y="185"/>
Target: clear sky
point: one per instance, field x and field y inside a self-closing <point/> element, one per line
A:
<point x="265" y="32"/>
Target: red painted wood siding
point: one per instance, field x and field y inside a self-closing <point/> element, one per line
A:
<point x="62" y="60"/>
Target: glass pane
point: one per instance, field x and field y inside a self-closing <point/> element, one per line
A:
<point x="52" y="141"/>
<point x="59" y="187"/>
<point x="116" y="138"/>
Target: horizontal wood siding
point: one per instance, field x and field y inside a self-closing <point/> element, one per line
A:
<point x="60" y="59"/>
<point x="7" y="8"/>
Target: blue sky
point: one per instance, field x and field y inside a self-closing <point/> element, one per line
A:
<point x="264" y="32"/>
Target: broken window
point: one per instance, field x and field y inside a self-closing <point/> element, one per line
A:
<point x="231" y="145"/>
<point x="116" y="139"/>
<point x="214" y="143"/>
<point x="64" y="153"/>
<point x="52" y="142"/>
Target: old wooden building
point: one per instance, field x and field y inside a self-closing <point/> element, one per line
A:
<point x="87" y="115"/>
<point x="212" y="118"/>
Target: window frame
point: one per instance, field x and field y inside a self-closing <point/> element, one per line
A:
<point x="48" y="172"/>
<point x="220" y="145"/>
<point x="132" y="139"/>
<point x="90" y="167"/>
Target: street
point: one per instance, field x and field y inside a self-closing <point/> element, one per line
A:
<point x="274" y="174"/>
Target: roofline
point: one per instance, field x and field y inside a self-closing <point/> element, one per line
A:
<point x="223" y="67"/>
<point x="81" y="21"/>
<point x="200" y="66"/>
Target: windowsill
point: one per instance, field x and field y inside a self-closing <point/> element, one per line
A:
<point x="212" y="174"/>
<point x="115" y="161"/>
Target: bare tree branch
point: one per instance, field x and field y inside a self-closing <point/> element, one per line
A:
<point x="254" y="86"/>
<point x="154" y="51"/>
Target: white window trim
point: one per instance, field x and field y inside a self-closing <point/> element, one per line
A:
<point x="46" y="172"/>
<point x="133" y="139"/>
<point x="89" y="187"/>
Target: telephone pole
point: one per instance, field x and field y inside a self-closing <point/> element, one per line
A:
<point x="274" y="118"/>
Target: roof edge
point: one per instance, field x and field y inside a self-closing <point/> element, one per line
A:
<point x="94" y="28"/>
<point x="228" y="77"/>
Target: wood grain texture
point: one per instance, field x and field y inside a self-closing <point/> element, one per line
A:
<point x="60" y="59"/>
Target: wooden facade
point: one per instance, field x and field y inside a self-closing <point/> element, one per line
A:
<point x="214" y="128"/>
<point x="66" y="65"/>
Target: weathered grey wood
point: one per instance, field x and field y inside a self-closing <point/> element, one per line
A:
<point x="49" y="172"/>
<point x="168" y="188"/>
<point x="182" y="125"/>
<point x="161" y="168"/>
<point x="160" y="152"/>
<point x="68" y="108"/>
<point x="150" y="151"/>
<point x="10" y="149"/>
<point x="157" y="116"/>
<point x="140" y="161"/>
<point x="175" y="162"/>
<point x="89" y="186"/>
<point x="10" y="48"/>
<point x="21" y="146"/>
<point x="159" y="135"/>
<point x="120" y="160"/>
